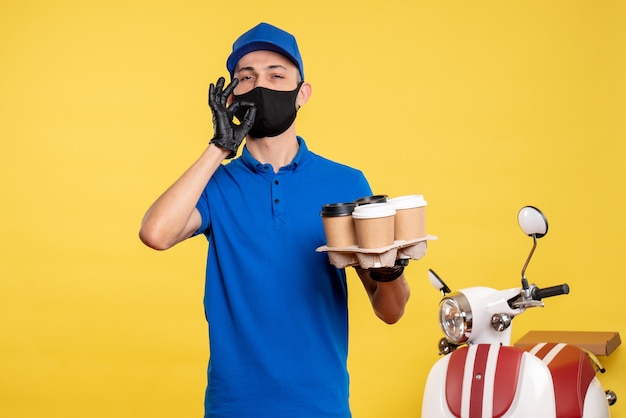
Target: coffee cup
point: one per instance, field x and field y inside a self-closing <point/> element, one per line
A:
<point x="410" y="218"/>
<point x="374" y="224"/>
<point x="338" y="224"/>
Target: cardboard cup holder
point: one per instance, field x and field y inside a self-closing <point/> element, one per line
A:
<point x="342" y="257"/>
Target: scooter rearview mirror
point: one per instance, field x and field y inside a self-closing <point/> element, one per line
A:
<point x="532" y="222"/>
<point x="438" y="283"/>
<point x="535" y="225"/>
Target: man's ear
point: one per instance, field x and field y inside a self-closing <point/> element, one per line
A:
<point x="304" y="94"/>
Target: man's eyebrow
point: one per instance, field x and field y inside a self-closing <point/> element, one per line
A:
<point x="269" y="67"/>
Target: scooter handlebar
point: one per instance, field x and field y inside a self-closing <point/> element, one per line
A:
<point x="538" y="294"/>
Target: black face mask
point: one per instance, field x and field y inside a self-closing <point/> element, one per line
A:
<point x="275" y="110"/>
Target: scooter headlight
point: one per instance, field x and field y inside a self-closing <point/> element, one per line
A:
<point x="455" y="317"/>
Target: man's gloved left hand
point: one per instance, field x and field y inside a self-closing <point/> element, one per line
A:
<point x="388" y="274"/>
<point x="228" y="135"/>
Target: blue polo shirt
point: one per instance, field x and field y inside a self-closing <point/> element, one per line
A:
<point x="276" y="308"/>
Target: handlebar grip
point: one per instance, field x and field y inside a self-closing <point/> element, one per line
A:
<point x="562" y="289"/>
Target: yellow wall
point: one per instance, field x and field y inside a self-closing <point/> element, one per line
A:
<point x="482" y="106"/>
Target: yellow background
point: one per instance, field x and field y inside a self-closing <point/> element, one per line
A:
<point x="482" y="106"/>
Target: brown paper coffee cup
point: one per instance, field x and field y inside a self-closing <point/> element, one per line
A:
<point x="374" y="224"/>
<point x="410" y="222"/>
<point x="338" y="224"/>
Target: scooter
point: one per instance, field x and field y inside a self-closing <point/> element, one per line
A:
<point x="481" y="375"/>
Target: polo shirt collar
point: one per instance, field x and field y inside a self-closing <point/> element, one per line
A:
<point x="254" y="165"/>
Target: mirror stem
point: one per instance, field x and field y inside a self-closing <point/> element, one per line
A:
<point x="524" y="280"/>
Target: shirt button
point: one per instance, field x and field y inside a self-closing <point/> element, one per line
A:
<point x="276" y="182"/>
<point x="276" y="200"/>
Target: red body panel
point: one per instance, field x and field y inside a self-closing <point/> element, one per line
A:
<point x="572" y="373"/>
<point x="506" y="377"/>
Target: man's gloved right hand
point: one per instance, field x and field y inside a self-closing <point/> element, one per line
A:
<point x="389" y="274"/>
<point x="228" y="135"/>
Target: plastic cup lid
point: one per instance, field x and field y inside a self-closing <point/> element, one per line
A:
<point x="408" y="202"/>
<point x="337" y="209"/>
<point x="366" y="200"/>
<point x="373" y="210"/>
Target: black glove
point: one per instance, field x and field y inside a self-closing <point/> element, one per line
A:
<point x="389" y="274"/>
<point x="227" y="134"/>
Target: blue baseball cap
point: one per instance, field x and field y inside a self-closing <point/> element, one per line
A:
<point x="265" y="37"/>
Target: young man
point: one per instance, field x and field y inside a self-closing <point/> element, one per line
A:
<point x="277" y="309"/>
